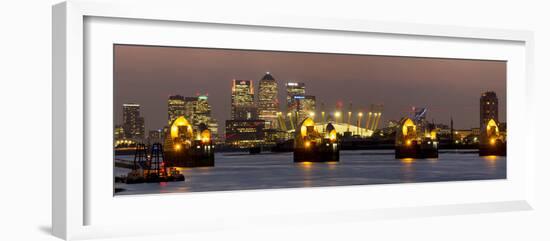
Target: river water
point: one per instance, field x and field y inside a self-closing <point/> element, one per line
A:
<point x="241" y="171"/>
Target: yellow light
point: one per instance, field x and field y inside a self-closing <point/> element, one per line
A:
<point x="205" y="136"/>
<point x="337" y="114"/>
<point x="307" y="144"/>
<point x="490" y="125"/>
<point x="306" y="165"/>
<point x="177" y="147"/>
<point x="289" y="114"/>
<point x="311" y="114"/>
<point x="409" y="142"/>
<point x="332" y="135"/>
<point x="407" y="160"/>
<point x="433" y="134"/>
<point x="490" y="158"/>
<point x="303" y="129"/>
<point x="180" y="121"/>
<point x="406" y="124"/>
<point x="493" y="141"/>
<point x="360" y="114"/>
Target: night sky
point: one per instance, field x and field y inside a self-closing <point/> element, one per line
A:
<point x="147" y="75"/>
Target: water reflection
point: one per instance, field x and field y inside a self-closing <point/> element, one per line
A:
<point x="407" y="169"/>
<point x="246" y="172"/>
<point x="432" y="160"/>
<point x="332" y="165"/>
<point x="306" y="167"/>
<point x="491" y="162"/>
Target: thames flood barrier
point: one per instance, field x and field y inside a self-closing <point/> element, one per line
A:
<point x="185" y="148"/>
<point x="492" y="142"/>
<point x="492" y="139"/>
<point x="310" y="145"/>
<point x="414" y="142"/>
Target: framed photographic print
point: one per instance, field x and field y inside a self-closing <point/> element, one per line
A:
<point x="232" y="118"/>
<point x="204" y="119"/>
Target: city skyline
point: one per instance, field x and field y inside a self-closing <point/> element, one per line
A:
<point x="447" y="98"/>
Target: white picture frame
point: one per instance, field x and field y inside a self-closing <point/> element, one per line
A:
<point x="82" y="209"/>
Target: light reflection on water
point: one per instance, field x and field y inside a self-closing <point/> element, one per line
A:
<point x="277" y="170"/>
<point x="491" y="162"/>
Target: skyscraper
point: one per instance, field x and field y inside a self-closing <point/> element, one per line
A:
<point x="268" y="103"/>
<point x="133" y="124"/>
<point x="293" y="89"/>
<point x="202" y="115"/>
<point x="189" y="108"/>
<point x="488" y="107"/>
<point x="242" y="100"/>
<point x="302" y="106"/>
<point x="197" y="110"/>
<point x="488" y="110"/>
<point x="202" y="109"/>
<point x="176" y="107"/>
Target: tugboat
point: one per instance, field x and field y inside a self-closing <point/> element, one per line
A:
<point x="492" y="143"/>
<point x="413" y="143"/>
<point x="151" y="168"/>
<point x="187" y="149"/>
<point x="312" y="146"/>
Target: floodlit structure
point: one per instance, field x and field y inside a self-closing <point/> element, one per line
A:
<point x="310" y="145"/>
<point x="492" y="143"/>
<point x="373" y="117"/>
<point x="413" y="142"/>
<point x="185" y="148"/>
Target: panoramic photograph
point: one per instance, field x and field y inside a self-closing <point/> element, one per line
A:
<point x="192" y="119"/>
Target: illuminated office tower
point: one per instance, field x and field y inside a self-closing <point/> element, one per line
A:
<point x="488" y="106"/>
<point x="119" y="132"/>
<point x="268" y="103"/>
<point x="488" y="116"/>
<point x="202" y="114"/>
<point x="294" y="89"/>
<point x="302" y="106"/>
<point x="242" y="100"/>
<point x="176" y="107"/>
<point x="132" y="123"/>
<point x="189" y="108"/>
